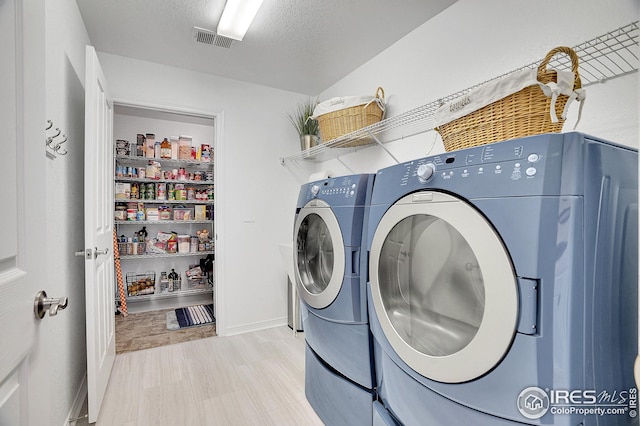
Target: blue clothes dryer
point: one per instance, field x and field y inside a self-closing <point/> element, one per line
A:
<point x="503" y="284"/>
<point x="330" y="266"/>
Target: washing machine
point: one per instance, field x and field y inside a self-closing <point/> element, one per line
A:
<point x="330" y="269"/>
<point x="503" y="285"/>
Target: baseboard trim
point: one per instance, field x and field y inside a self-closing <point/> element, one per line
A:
<point x="256" y="326"/>
<point x="78" y="402"/>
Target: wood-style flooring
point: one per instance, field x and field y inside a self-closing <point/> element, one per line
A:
<point x="254" y="378"/>
<point x="146" y="330"/>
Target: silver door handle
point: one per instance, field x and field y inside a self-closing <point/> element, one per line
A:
<point x="42" y="304"/>
<point x="97" y="252"/>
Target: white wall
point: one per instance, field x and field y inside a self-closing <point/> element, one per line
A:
<point x="63" y="274"/>
<point x="255" y="203"/>
<point x="471" y="42"/>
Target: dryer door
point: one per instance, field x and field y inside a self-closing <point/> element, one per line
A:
<point x="443" y="287"/>
<point x="319" y="256"/>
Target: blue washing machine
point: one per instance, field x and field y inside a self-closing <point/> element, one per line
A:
<point x="330" y="268"/>
<point x="504" y="285"/>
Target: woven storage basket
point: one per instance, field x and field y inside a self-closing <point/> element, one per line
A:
<point x="343" y="121"/>
<point x="524" y="113"/>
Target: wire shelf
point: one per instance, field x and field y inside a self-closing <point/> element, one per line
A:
<point x="611" y="55"/>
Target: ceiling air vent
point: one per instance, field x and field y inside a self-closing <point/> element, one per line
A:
<point x="222" y="41"/>
<point x="200" y="35"/>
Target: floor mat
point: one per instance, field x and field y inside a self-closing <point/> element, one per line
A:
<point x="191" y="316"/>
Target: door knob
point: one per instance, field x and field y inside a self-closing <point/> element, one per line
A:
<point x="88" y="253"/>
<point x="42" y="304"/>
<point x="97" y="252"/>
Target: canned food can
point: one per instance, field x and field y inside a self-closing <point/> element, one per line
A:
<point x="151" y="191"/>
<point x="161" y="191"/>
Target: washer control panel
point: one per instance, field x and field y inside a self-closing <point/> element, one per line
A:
<point x="516" y="167"/>
<point x="512" y="163"/>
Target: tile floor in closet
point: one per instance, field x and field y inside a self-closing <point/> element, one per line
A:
<point x="254" y="378"/>
<point x="144" y="330"/>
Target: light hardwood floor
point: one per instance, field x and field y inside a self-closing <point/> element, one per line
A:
<point x="249" y="379"/>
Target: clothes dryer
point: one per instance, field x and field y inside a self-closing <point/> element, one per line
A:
<point x="503" y="284"/>
<point x="330" y="269"/>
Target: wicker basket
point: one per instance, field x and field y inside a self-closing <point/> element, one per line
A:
<point x="520" y="114"/>
<point x="343" y="121"/>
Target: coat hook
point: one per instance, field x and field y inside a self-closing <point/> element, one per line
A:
<point x="58" y="146"/>
<point x="55" y="148"/>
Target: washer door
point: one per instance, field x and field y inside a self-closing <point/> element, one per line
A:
<point x="443" y="287"/>
<point x="319" y="256"/>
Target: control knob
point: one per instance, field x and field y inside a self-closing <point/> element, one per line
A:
<point x="425" y="172"/>
<point x="315" y="189"/>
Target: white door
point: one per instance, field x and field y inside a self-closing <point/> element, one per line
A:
<point x="319" y="257"/>
<point x="443" y="287"/>
<point x="24" y="376"/>
<point x="98" y="230"/>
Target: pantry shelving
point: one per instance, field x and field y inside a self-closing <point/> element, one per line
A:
<point x="164" y="221"/>
<point x="170" y="295"/>
<point x="161" y="255"/>
<point x="156" y="222"/>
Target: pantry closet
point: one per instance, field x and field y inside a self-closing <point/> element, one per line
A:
<point x="164" y="191"/>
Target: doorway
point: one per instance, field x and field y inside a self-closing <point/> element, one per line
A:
<point x="165" y="210"/>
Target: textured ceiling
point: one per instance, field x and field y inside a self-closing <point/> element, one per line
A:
<point x="303" y="46"/>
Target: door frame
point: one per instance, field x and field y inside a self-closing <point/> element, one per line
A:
<point x="499" y="322"/>
<point x="219" y="195"/>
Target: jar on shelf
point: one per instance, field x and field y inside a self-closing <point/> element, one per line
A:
<point x="174" y="147"/>
<point x="165" y="149"/>
<point x="184" y="243"/>
<point x="184" y="147"/>
<point x="151" y="142"/>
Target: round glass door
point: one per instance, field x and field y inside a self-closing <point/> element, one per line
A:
<point x="319" y="256"/>
<point x="443" y="287"/>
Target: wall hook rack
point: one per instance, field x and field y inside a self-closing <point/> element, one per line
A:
<point x="55" y="147"/>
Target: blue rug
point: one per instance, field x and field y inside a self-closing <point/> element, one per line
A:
<point x="191" y="316"/>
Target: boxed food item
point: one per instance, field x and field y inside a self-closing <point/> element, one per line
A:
<point x="200" y="212"/>
<point x="205" y="152"/>
<point x="123" y="148"/>
<point x="153" y="213"/>
<point x="181" y="213"/>
<point x="123" y="191"/>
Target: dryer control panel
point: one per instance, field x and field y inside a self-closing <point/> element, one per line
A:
<point x="339" y="191"/>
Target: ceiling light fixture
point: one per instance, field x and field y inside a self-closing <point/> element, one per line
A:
<point x="237" y="17"/>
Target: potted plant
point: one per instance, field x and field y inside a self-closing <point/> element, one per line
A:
<point x="306" y="126"/>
